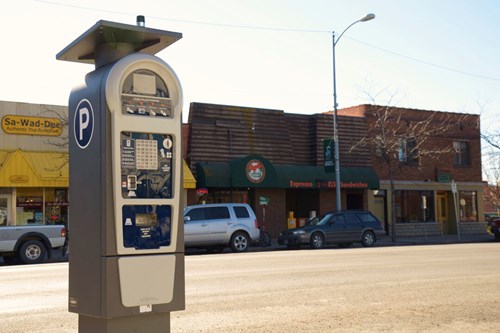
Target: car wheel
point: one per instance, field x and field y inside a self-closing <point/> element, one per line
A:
<point x="317" y="240"/>
<point x="239" y="242"/>
<point x="32" y="252"/>
<point x="368" y="239"/>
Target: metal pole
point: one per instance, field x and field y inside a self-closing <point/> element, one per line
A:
<point x="335" y="133"/>
<point x="365" y="18"/>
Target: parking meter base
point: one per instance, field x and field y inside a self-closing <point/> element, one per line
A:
<point x="152" y="323"/>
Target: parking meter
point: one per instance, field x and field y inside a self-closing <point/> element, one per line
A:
<point x="126" y="264"/>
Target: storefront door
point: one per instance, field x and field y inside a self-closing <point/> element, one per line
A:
<point x="442" y="211"/>
<point x="5" y="213"/>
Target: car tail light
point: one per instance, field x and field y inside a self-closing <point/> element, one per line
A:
<point x="256" y="223"/>
<point x="63" y="232"/>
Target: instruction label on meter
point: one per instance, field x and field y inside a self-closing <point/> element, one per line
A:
<point x="146" y="165"/>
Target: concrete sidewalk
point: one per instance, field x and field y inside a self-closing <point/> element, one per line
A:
<point x="441" y="239"/>
<point x="406" y="240"/>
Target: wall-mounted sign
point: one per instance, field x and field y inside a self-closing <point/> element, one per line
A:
<point x="19" y="179"/>
<point x="27" y="125"/>
<point x="329" y="154"/>
<point x="255" y="171"/>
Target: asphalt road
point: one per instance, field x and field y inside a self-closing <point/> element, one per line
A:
<point x="434" y="288"/>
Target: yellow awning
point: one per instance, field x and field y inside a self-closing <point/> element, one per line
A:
<point x="33" y="169"/>
<point x="20" y="168"/>
<point x="189" y="181"/>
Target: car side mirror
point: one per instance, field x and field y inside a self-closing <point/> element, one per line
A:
<point x="187" y="218"/>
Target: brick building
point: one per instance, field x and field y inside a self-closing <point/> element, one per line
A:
<point x="241" y="154"/>
<point x="430" y="150"/>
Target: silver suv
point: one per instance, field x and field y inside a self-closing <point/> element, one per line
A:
<point x="215" y="226"/>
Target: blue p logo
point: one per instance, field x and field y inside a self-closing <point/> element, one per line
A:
<point x="83" y="123"/>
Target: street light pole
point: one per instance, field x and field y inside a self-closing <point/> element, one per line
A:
<point x="335" y="124"/>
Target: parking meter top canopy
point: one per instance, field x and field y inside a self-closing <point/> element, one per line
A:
<point x="107" y="41"/>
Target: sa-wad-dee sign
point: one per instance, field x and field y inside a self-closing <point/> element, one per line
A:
<point x="28" y="125"/>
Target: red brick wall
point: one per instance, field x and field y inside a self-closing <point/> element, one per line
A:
<point x="457" y="127"/>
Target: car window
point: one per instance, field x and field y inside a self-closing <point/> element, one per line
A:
<point x="352" y="219"/>
<point x="241" y="212"/>
<point x="366" y="217"/>
<point x="196" y="214"/>
<point x="216" y="213"/>
<point x="322" y="221"/>
<point x="338" y="219"/>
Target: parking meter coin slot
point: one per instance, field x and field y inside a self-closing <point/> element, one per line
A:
<point x="146" y="226"/>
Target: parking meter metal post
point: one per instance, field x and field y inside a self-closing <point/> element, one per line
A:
<point x="126" y="266"/>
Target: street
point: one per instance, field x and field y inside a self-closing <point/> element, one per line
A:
<point x="434" y="288"/>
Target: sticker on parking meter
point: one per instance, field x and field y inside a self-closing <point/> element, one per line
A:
<point x="83" y="123"/>
<point x="146" y="165"/>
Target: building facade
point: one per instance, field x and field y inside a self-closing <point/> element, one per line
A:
<point x="33" y="164"/>
<point x="435" y="163"/>
<point x="275" y="162"/>
<point x="278" y="163"/>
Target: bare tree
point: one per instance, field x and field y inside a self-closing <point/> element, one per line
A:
<point x="62" y="141"/>
<point x="399" y="140"/>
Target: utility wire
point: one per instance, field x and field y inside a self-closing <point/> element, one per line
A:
<point x="424" y="62"/>
<point x="236" y="26"/>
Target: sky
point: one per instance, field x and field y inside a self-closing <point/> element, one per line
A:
<point x="277" y="54"/>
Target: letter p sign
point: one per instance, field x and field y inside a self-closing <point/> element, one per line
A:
<point x="83" y="123"/>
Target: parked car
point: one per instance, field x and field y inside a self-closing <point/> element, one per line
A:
<point x="343" y="228"/>
<point x="216" y="226"/>
<point x="494" y="227"/>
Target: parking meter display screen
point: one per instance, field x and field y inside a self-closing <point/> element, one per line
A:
<point x="146" y="165"/>
<point x="146" y="226"/>
<point x="144" y="93"/>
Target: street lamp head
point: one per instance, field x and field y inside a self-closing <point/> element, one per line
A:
<point x="367" y="17"/>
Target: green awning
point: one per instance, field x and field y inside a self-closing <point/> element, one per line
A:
<point x="213" y="174"/>
<point x="237" y="174"/>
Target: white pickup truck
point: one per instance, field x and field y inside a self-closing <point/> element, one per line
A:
<point x="30" y="244"/>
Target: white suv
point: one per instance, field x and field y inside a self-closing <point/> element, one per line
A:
<point x="215" y="226"/>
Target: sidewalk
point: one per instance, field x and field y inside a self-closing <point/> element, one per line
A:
<point x="444" y="239"/>
<point x="405" y="241"/>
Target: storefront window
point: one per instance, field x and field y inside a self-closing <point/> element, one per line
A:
<point x="414" y="206"/>
<point x="224" y="196"/>
<point x="4" y="211"/>
<point x="56" y="206"/>
<point x="468" y="206"/>
<point x="29" y="206"/>
<point x="41" y="206"/>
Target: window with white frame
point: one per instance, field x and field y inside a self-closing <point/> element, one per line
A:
<point x="407" y="150"/>
<point x="462" y="152"/>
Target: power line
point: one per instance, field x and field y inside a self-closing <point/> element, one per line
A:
<point x="423" y="61"/>
<point x="236" y="26"/>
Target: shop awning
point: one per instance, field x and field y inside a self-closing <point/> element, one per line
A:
<point x="213" y="174"/>
<point x="33" y="169"/>
<point x="237" y="174"/>
<point x="189" y="181"/>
